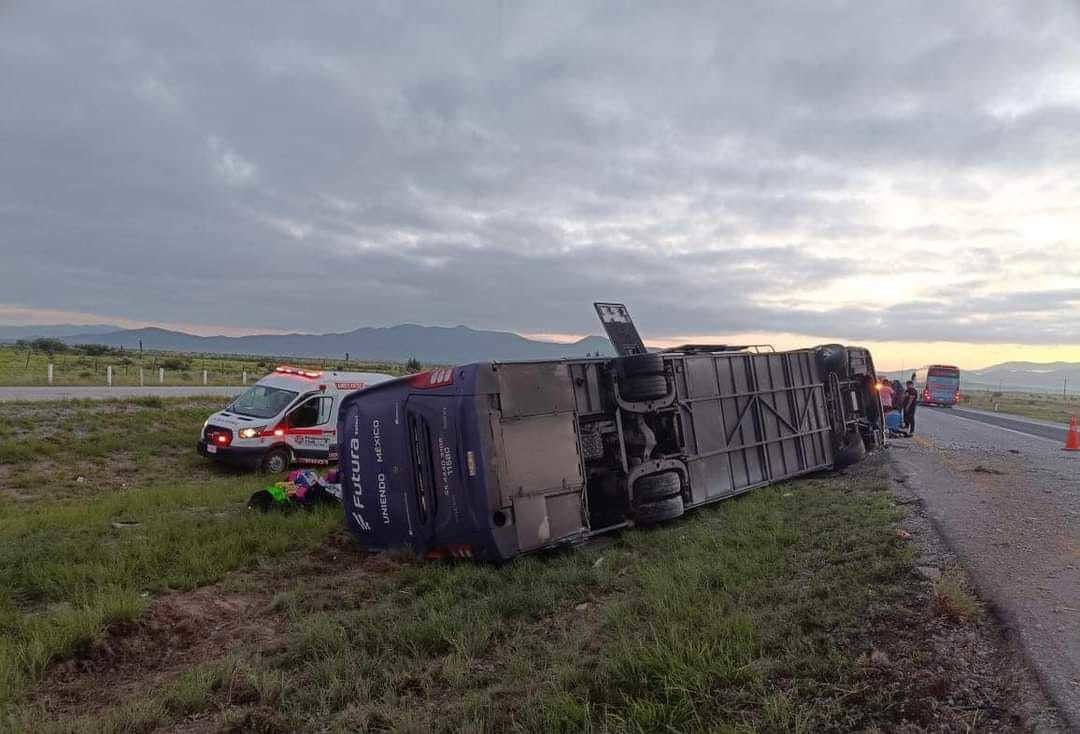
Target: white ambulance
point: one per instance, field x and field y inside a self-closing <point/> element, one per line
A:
<point x="289" y="416"/>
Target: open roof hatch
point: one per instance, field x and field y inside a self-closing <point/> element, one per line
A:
<point x="620" y="329"/>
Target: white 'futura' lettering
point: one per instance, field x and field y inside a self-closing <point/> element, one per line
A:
<point x="354" y="463"/>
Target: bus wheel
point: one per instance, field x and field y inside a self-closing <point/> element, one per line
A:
<point x="833" y="358"/>
<point x="654" y="513"/>
<point x="641" y="364"/>
<point x="642" y="377"/>
<point x="653" y="487"/>
<point x="852" y="451"/>
<point x="642" y="388"/>
<point x="276" y="460"/>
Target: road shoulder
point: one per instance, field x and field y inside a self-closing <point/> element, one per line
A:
<point x="957" y="524"/>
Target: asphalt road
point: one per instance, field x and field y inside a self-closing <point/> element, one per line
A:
<point x="1006" y="497"/>
<point x="100" y="392"/>
<point x="1045" y="429"/>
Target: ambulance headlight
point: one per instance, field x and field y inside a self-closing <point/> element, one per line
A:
<point x="251" y="432"/>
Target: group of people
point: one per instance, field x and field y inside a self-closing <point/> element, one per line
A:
<point x="894" y="397"/>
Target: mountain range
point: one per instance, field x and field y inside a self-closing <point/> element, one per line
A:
<point x="429" y="344"/>
<point x="459" y="344"/>
<point x="1016" y="377"/>
<point x="53" y="331"/>
<point x="1033" y="376"/>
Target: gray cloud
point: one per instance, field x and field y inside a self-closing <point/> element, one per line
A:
<point x="724" y="170"/>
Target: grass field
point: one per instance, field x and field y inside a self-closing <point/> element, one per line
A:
<point x="1031" y="405"/>
<point x="148" y="597"/>
<point x="22" y="366"/>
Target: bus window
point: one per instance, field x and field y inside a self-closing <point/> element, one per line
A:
<point x="423" y="466"/>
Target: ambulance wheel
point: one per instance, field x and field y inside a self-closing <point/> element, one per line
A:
<point x="642" y="388"/>
<point x="275" y="461"/>
<point x="653" y="487"/>
<point x="654" y="513"/>
<point x="851" y="452"/>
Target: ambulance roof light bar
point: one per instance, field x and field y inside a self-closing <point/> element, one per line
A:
<point x="286" y="370"/>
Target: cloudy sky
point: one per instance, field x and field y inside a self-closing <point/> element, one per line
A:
<point x="896" y="174"/>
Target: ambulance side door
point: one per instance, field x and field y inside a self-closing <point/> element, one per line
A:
<point x="312" y="433"/>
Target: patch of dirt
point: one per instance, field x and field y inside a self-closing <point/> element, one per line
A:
<point x="6" y="470"/>
<point x="941" y="674"/>
<point x="184" y="629"/>
<point x="177" y="631"/>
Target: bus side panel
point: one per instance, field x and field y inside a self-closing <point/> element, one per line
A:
<point x="698" y="387"/>
<point x="749" y="419"/>
<point x="810" y="442"/>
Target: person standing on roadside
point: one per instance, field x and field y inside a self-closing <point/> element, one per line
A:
<point x="911" y="399"/>
<point x="885" y="393"/>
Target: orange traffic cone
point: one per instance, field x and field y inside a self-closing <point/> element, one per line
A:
<point x="1072" y="438"/>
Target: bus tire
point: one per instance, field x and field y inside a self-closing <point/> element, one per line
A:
<point x="654" y="513"/>
<point x="653" y="487"/>
<point x="276" y="460"/>
<point x="642" y="388"/>
<point x="851" y="452"/>
<point x="641" y="364"/>
<point x="833" y="358"/>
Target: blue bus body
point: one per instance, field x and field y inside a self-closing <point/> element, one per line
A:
<point x="412" y="464"/>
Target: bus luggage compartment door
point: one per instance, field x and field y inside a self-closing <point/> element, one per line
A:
<point x="540" y="471"/>
<point x="541" y="476"/>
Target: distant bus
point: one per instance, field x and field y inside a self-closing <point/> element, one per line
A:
<point x="938" y="384"/>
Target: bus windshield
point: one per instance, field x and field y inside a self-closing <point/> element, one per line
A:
<point x="262" y="401"/>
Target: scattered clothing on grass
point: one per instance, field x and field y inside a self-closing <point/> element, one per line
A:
<point x="303" y="489"/>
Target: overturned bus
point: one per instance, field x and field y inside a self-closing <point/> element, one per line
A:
<point x="490" y="460"/>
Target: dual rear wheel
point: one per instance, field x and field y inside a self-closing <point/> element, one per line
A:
<point x="642" y="378"/>
<point x="658" y="498"/>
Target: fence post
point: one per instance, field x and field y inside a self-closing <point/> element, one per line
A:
<point x="142" y="380"/>
<point x="161" y="375"/>
<point x="244" y="377"/>
<point x="108" y="375"/>
<point x="204" y="377"/>
<point x="50" y="373"/>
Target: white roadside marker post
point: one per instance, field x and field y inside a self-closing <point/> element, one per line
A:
<point x="108" y="375"/>
<point x="161" y="375"/>
<point x="50" y="372"/>
<point x="244" y="377"/>
<point x="204" y="377"/>
<point x="142" y="378"/>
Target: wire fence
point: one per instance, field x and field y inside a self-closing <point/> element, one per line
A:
<point x="23" y="366"/>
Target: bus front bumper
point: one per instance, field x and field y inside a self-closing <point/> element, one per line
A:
<point x="235" y="455"/>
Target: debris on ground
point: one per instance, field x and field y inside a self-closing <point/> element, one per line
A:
<point x="124" y="524"/>
<point x="303" y="488"/>
<point x="980" y="469"/>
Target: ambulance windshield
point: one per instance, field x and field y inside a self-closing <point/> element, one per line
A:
<point x="262" y="401"/>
